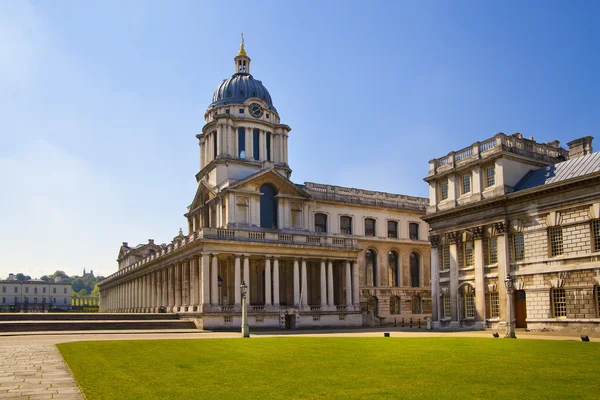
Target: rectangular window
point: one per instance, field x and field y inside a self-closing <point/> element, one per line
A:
<point x="26" y="290"/>
<point x="491" y="253"/>
<point x="559" y="303"/>
<point x="555" y="240"/>
<point x="227" y="111"/>
<point x="241" y="110"/>
<point x="518" y="247"/>
<point x="342" y="317"/>
<point x="494" y="305"/>
<point x="65" y="301"/>
<point x="445" y="258"/>
<point x="369" y="227"/>
<point x="54" y="290"/>
<point x="392" y="229"/>
<point x="466" y="184"/>
<point x="255" y="144"/>
<point x="35" y="300"/>
<point x="214" y="145"/>
<point x="597" y="297"/>
<point x="316" y="317"/>
<point x="268" y="146"/>
<point x="228" y="319"/>
<point x="469" y="256"/>
<point x="596" y="235"/>
<point x="4" y="300"/>
<point x="44" y="290"/>
<point x="16" y="290"/>
<point x="346" y="225"/>
<point x="65" y="289"/>
<point x="469" y="305"/>
<point x="260" y="319"/>
<point x="320" y="223"/>
<point x="444" y="190"/>
<point x="242" y="142"/>
<point x="34" y="290"/>
<point x="446" y="306"/>
<point x="490" y="176"/>
<point x="3" y="289"/>
<point x="413" y="231"/>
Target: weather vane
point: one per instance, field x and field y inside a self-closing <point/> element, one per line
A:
<point x="242" y="37"/>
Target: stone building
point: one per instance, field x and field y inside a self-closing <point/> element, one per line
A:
<point x="510" y="205"/>
<point x="311" y="254"/>
<point x="34" y="293"/>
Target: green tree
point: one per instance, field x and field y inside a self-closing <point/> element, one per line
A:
<point x="82" y="293"/>
<point x="96" y="291"/>
<point x="21" y="277"/>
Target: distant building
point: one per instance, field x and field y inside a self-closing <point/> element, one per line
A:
<point x="35" y="292"/>
<point x="511" y="206"/>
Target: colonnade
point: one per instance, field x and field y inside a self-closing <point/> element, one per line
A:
<point x="195" y="284"/>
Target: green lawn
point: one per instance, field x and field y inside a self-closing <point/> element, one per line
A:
<point x="328" y="368"/>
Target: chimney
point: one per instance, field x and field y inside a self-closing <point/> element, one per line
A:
<point x="150" y="241"/>
<point x="125" y="244"/>
<point x="580" y="147"/>
<point x="12" y="277"/>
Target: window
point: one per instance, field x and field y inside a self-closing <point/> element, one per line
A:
<point x="392" y="229"/>
<point x="241" y="204"/>
<point x="3" y="289"/>
<point x="597" y="299"/>
<point x="369" y="227"/>
<point x="54" y="300"/>
<point x="342" y="317"/>
<point x="267" y="116"/>
<point x="256" y="144"/>
<point x="242" y="142"/>
<point x="241" y="110"/>
<point x="316" y="317"/>
<point x="54" y="290"/>
<point x="346" y="225"/>
<point x="65" y="301"/>
<point x="260" y="319"/>
<point x="417" y="305"/>
<point x="469" y="305"/>
<point x="394" y="305"/>
<point x="555" y="240"/>
<point x="35" y="290"/>
<point x="444" y="258"/>
<point x="44" y="290"/>
<point x="65" y="290"/>
<point x="296" y="216"/>
<point x="268" y="207"/>
<point x="491" y="250"/>
<point x="35" y="300"/>
<point x="490" y="176"/>
<point x="26" y="290"/>
<point x="518" y="247"/>
<point x="227" y="111"/>
<point x="596" y="235"/>
<point x="16" y="290"/>
<point x="414" y="270"/>
<point x="228" y="319"/>
<point x="4" y="300"/>
<point x="469" y="256"/>
<point x="494" y="305"/>
<point x="447" y="311"/>
<point x="268" y="146"/>
<point x="413" y="231"/>
<point x="559" y="302"/>
<point x="444" y="190"/>
<point x="214" y="144"/>
<point x="320" y="222"/>
<point x="466" y="184"/>
<point x="371" y="270"/>
<point x="393" y="269"/>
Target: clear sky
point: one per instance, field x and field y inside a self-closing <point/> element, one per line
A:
<point x="100" y="102"/>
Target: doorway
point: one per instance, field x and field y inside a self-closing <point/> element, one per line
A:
<point x="520" y="309"/>
<point x="290" y="322"/>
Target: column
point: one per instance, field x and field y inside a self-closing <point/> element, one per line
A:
<point x="237" y="280"/>
<point x="152" y="291"/>
<point x="177" y="290"/>
<point x="355" y="292"/>
<point x="193" y="283"/>
<point x="249" y="145"/>
<point x="454" y="281"/>
<point x="171" y="293"/>
<point x="503" y="269"/>
<point x="268" y="297"/>
<point x="296" y="284"/>
<point x="479" y="280"/>
<point x="435" y="284"/>
<point x="247" y="278"/>
<point x="276" y="282"/>
<point x="185" y="283"/>
<point x="330" y="284"/>
<point x="323" y="285"/>
<point x="348" y="285"/>
<point x="304" y="295"/>
<point x="165" y="287"/>
<point x="214" y="281"/>
<point x="205" y="272"/>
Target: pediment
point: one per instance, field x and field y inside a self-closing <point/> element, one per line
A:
<point x="284" y="187"/>
<point x="204" y="190"/>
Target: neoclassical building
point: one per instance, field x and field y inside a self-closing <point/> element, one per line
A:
<point x="311" y="254"/>
<point x="510" y="208"/>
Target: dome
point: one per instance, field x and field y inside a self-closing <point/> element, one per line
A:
<point x="238" y="89"/>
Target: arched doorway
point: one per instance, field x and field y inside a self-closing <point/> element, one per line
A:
<point x="268" y="207"/>
<point x="415" y="270"/>
<point x="520" y="309"/>
<point x="373" y="305"/>
<point x="371" y="270"/>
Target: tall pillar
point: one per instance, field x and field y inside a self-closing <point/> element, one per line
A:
<point x="296" y="284"/>
<point x="435" y="283"/>
<point x="323" y="284"/>
<point x="268" y="296"/>
<point x="330" y="284"/>
<point x="185" y="283"/>
<point x="193" y="283"/>
<point x="165" y="287"/>
<point x="276" y="282"/>
<point x="247" y="279"/>
<point x="479" y="280"/>
<point x="503" y="270"/>
<point x="205" y="277"/>
<point x="454" y="281"/>
<point x="304" y="295"/>
<point x="237" y="280"/>
<point x="348" y="285"/>
<point x="214" y="281"/>
<point x="171" y="278"/>
<point x="355" y="292"/>
<point x="177" y="285"/>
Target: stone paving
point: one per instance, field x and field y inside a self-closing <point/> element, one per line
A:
<point x="35" y="371"/>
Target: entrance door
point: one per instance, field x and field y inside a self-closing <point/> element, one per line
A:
<point x="520" y="309"/>
<point x="290" y="321"/>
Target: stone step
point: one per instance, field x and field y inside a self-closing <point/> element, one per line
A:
<point x="45" y="326"/>
<point x="86" y="316"/>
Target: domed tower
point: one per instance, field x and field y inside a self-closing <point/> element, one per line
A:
<point x="243" y="133"/>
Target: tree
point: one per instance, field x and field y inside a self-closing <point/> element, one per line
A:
<point x="21" y="277"/>
<point x="82" y="293"/>
<point x="96" y="291"/>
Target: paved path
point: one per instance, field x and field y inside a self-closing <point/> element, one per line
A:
<point x="35" y="371"/>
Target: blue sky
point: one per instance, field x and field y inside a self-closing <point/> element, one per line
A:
<point x="100" y="102"/>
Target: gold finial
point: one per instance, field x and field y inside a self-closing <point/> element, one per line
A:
<point x="242" y="52"/>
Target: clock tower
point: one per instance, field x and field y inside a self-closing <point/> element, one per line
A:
<point x="243" y="133"/>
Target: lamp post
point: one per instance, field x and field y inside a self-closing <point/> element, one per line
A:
<point x="245" y="329"/>
<point x="510" y="329"/>
<point x="220" y="283"/>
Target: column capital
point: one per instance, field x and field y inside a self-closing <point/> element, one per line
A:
<point x="454" y="237"/>
<point x="434" y="240"/>
<point x="500" y="228"/>
<point x="238" y="255"/>
<point x="477" y="232"/>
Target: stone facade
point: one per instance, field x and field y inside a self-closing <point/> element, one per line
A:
<point x="34" y="293"/>
<point x="312" y="255"/>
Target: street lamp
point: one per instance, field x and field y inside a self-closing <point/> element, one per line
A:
<point x="510" y="329"/>
<point x="220" y="284"/>
<point x="245" y="329"/>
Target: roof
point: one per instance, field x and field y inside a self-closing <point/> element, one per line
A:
<point x="562" y="171"/>
<point x="238" y="89"/>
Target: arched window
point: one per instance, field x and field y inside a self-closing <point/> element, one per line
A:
<point x="268" y="207"/>
<point x="417" y="305"/>
<point x="393" y="269"/>
<point x="414" y="270"/>
<point x="373" y="305"/>
<point x="371" y="272"/>
<point x="320" y="222"/>
<point x="394" y="305"/>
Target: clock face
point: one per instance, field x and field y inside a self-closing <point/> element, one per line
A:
<point x="256" y="110"/>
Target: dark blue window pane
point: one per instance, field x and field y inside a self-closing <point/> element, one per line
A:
<point x="241" y="141"/>
<point x="215" y="146"/>
<point x="268" y="207"/>
<point x="255" y="143"/>
<point x="268" y="146"/>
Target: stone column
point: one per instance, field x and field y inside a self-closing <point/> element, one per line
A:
<point x="249" y="145"/>
<point x="330" y="285"/>
<point x="503" y="266"/>
<point x="214" y="282"/>
<point x="205" y="272"/>
<point x="247" y="279"/>
<point x="435" y="282"/>
<point x="296" y="284"/>
<point x="355" y="292"/>
<point x="152" y="291"/>
<point x="178" y="290"/>
<point x="479" y="276"/>
<point x="276" y="282"/>
<point x="193" y="284"/>
<point x="165" y="287"/>
<point x="237" y="281"/>
<point x="348" y="285"/>
<point x="323" y="284"/>
<point x="268" y="296"/>
<point x="185" y="278"/>
<point x="454" y="276"/>
<point x="304" y="295"/>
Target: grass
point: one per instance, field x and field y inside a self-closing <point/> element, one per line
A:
<point x="330" y="368"/>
